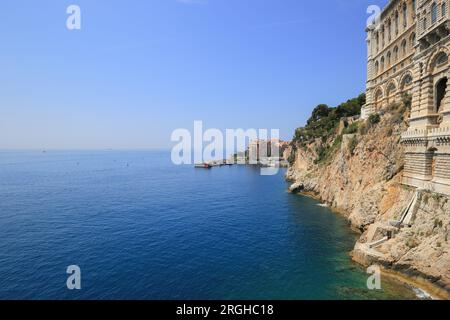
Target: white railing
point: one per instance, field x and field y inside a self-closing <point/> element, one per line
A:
<point x="438" y="132"/>
<point x="414" y="133"/>
<point x="426" y="133"/>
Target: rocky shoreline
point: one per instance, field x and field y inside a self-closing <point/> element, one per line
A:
<point x="362" y="181"/>
<point x="422" y="282"/>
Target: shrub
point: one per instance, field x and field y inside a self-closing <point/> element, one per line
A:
<point x="397" y="117"/>
<point x="324" y="153"/>
<point x="407" y="101"/>
<point x="363" y="128"/>
<point x="324" y="121"/>
<point x="411" y="243"/>
<point x="393" y="106"/>
<point x="436" y="197"/>
<point x="426" y="199"/>
<point x="353" y="143"/>
<point x="291" y="158"/>
<point x="351" y="129"/>
<point x="438" y="223"/>
<point x="374" y="119"/>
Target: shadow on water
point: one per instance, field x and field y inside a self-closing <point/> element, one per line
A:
<point x="335" y="239"/>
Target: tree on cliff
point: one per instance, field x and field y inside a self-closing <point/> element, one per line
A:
<point x="324" y="120"/>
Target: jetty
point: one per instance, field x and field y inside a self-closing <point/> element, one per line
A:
<point x="203" y="166"/>
<point x="209" y="165"/>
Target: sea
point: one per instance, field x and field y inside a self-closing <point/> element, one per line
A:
<point x="139" y="227"/>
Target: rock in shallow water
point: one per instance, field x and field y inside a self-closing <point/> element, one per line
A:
<point x="296" y="187"/>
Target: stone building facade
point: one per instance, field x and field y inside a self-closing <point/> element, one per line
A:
<point x="408" y="53"/>
<point x="259" y="150"/>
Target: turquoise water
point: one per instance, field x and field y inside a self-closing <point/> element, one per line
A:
<point x="142" y="228"/>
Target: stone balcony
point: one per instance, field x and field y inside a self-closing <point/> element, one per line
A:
<point x="437" y="133"/>
<point x="429" y="138"/>
<point x="414" y="134"/>
<point x="434" y="34"/>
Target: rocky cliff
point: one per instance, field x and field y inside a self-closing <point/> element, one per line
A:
<point x="356" y="168"/>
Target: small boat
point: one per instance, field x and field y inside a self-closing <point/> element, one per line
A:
<point x="203" y="166"/>
<point x="215" y="164"/>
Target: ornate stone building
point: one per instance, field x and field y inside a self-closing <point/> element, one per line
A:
<point x="408" y="53"/>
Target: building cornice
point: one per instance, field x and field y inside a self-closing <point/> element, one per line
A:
<point x="388" y="7"/>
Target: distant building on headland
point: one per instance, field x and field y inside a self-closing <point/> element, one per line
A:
<point x="261" y="151"/>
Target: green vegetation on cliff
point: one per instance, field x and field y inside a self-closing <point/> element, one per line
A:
<point x="326" y="128"/>
<point x="324" y="120"/>
<point x="323" y="125"/>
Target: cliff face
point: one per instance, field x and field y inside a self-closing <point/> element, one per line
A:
<point x="361" y="178"/>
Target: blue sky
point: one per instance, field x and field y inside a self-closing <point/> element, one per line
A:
<point x="139" y="69"/>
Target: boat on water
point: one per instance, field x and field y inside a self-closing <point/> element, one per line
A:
<point x="203" y="166"/>
<point x="212" y="164"/>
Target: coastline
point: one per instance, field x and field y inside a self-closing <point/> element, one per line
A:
<point x="436" y="292"/>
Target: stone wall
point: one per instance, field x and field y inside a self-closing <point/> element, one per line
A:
<point x="421" y="70"/>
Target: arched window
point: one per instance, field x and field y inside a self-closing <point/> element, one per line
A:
<point x="390" y="92"/>
<point x="395" y="54"/>
<point x="378" y="97"/>
<point x="441" y="59"/>
<point x="382" y="64"/>
<point x="389" y="30"/>
<point x="404" y="48"/>
<point x="390" y="89"/>
<point x="443" y="9"/>
<point x="406" y="82"/>
<point x="405" y="15"/>
<point x="412" y="40"/>
<point x="377" y="68"/>
<point x="388" y="59"/>
<point x="424" y="24"/>
<point x="433" y="13"/>
<point x="396" y="22"/>
<point x="377" y="36"/>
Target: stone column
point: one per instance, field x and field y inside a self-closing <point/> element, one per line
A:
<point x="368" y="108"/>
<point x="416" y="91"/>
<point x="427" y="98"/>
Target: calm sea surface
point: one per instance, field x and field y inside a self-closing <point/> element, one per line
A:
<point x="142" y="228"/>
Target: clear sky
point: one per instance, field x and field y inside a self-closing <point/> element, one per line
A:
<point x="139" y="69"/>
